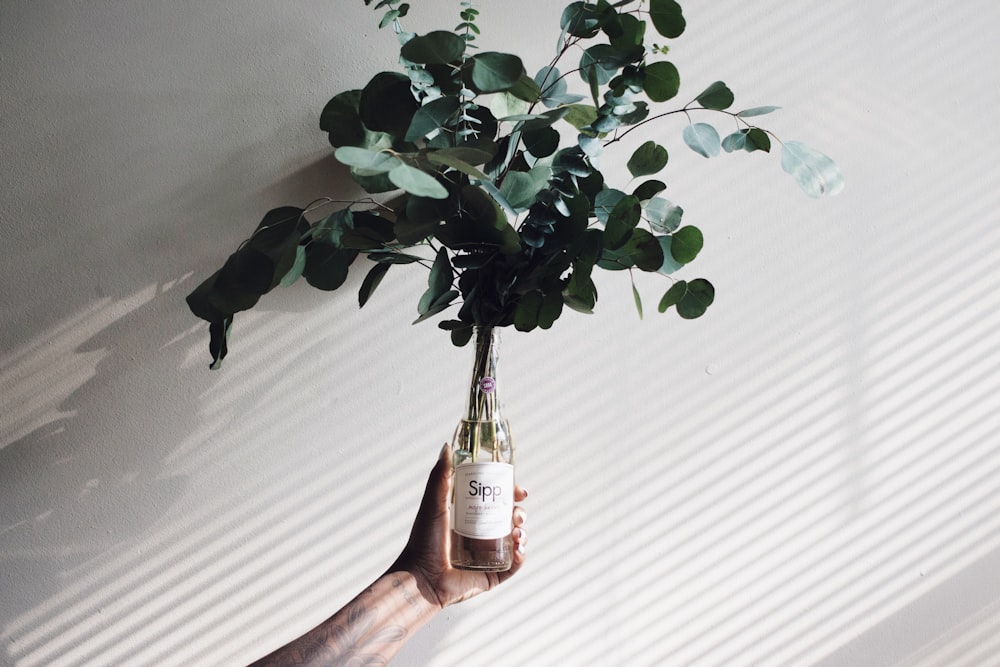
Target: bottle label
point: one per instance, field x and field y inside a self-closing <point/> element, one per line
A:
<point x="488" y="385"/>
<point x="484" y="500"/>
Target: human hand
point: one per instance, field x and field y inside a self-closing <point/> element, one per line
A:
<point x="426" y="553"/>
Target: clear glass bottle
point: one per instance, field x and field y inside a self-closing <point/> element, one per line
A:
<point x="483" y="457"/>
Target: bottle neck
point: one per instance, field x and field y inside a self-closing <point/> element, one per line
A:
<point x="484" y="403"/>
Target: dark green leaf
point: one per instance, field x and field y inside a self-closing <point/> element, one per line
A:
<point x="541" y="143"/>
<point x="218" y="333"/>
<point x="581" y="115"/>
<point x="550" y="310"/>
<point x="438" y="282"/>
<point x="691" y="298"/>
<point x="526" y="311"/>
<point x="649" y="189"/>
<point x="371" y="281"/>
<point x="326" y="266"/>
<point x="439" y="305"/>
<point x="433" y="116"/>
<point x="667" y="18"/>
<point x="582" y="19"/>
<point x="717" y="96"/>
<point x="622" y="220"/>
<point x="648" y="159"/>
<point x="387" y="104"/>
<point x="661" y="81"/>
<point x="687" y="243"/>
<point x="525" y="89"/>
<point x="340" y="119"/>
<point x="493" y="72"/>
<point x="757" y="140"/>
<point x="295" y="271"/>
<point x="440" y="47"/>
<point x="637" y="299"/>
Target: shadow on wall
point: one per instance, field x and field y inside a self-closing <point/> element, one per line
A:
<point x="85" y="435"/>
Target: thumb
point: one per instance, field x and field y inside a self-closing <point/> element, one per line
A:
<point x="435" y="498"/>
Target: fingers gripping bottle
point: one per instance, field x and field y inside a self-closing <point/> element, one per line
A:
<point x="483" y="458"/>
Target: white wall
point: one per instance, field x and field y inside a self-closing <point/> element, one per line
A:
<point x="805" y="476"/>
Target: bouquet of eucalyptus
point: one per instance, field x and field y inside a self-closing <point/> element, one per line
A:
<point x="490" y="178"/>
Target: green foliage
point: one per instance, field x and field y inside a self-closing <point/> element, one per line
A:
<point x="493" y="180"/>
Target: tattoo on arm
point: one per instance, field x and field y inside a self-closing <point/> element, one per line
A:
<point x="347" y="639"/>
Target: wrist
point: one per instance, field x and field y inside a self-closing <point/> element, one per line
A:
<point x="416" y="586"/>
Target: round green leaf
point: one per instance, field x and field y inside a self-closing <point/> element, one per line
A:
<point x="432" y="116"/>
<point x="327" y="266"/>
<point x="717" y="96"/>
<point x="387" y="104"/>
<point x="493" y="72"/>
<point x="582" y="19"/>
<point x="340" y="119"/>
<point x="622" y="220"/>
<point x="371" y="281"/>
<point x="367" y="160"/>
<point x="417" y="182"/>
<point x="661" y="81"/>
<point x="649" y="189"/>
<point x="648" y="159"/>
<point x="687" y="243"/>
<point x="667" y="18"/>
<point x="439" y="47"/>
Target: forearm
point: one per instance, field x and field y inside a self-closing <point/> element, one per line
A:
<point x="371" y="627"/>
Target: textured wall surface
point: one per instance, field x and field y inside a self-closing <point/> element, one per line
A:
<point x="805" y="476"/>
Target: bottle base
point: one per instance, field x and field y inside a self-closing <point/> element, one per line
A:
<point x="482" y="555"/>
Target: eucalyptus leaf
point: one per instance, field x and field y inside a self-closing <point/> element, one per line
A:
<point x="661" y="81"/>
<point x="687" y="243"/>
<point x="692" y="299"/>
<point x="717" y="96"/>
<point x="438" y="282"/>
<point x="367" y="160"/>
<point x="757" y="140"/>
<point x="621" y="221"/>
<point x="663" y="215"/>
<point x="637" y="299"/>
<point x="815" y="172"/>
<point x="667" y="18"/>
<point x="341" y="121"/>
<point x="493" y="72"/>
<point x="703" y="139"/>
<point x="431" y="117"/>
<point x="387" y="103"/>
<point x="736" y="141"/>
<point x="295" y="271"/>
<point x="417" y="182"/>
<point x="371" y="281"/>
<point x="649" y="189"/>
<point x="451" y="160"/>
<point x="439" y="47"/>
<point x="648" y="159"/>
<point x="757" y="111"/>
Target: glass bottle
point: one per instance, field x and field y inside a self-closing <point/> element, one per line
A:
<point x="483" y="457"/>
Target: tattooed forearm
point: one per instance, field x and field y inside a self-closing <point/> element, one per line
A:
<point x="370" y="630"/>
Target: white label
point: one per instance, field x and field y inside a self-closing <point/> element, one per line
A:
<point x="484" y="500"/>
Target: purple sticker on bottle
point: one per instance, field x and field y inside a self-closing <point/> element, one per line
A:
<point x="487" y="385"/>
